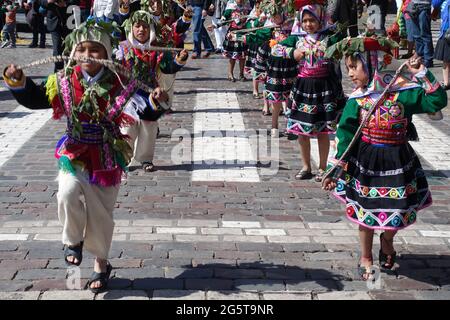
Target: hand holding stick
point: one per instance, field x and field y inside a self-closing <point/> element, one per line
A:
<point x="14" y="72"/>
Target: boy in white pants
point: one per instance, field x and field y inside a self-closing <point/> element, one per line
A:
<point x="92" y="154"/>
<point x="157" y="70"/>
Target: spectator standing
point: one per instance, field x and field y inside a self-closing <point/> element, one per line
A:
<point x="56" y="25"/>
<point x="36" y="21"/>
<point x="105" y="9"/>
<point x="443" y="45"/>
<point x="420" y="12"/>
<point x="219" y="32"/>
<point x="409" y="28"/>
<point x="9" y="29"/>
<point x="200" y="8"/>
<point x="85" y="9"/>
<point x="377" y="11"/>
<point x="343" y="11"/>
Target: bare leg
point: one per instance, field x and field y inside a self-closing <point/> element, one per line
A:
<point x="276" y="107"/>
<point x="266" y="107"/>
<point x="255" y="87"/>
<point x="305" y="147"/>
<point x="241" y="68"/>
<point x="388" y="241"/>
<point x="324" y="148"/>
<point x="99" y="266"/>
<point x="387" y="254"/>
<point x="445" y="73"/>
<point x="284" y="107"/>
<point x="231" y="69"/>
<point x="366" y="242"/>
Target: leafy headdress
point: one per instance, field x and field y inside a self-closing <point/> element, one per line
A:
<point x="137" y="16"/>
<point x="95" y="31"/>
<point x="375" y="53"/>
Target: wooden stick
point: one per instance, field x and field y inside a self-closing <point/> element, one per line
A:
<point x="113" y="66"/>
<point x="231" y="20"/>
<point x="260" y="28"/>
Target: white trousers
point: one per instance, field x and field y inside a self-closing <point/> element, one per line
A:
<point x="219" y="34"/>
<point x="142" y="139"/>
<point x="90" y="220"/>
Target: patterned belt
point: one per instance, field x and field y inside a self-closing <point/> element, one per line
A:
<point x="92" y="133"/>
<point x="379" y="136"/>
<point x="318" y="72"/>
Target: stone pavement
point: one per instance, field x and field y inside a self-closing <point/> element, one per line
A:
<point x="220" y="220"/>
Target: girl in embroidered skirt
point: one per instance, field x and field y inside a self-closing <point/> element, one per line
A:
<point x="317" y="93"/>
<point x="383" y="185"/>
<point x="92" y="154"/>
<point x="145" y="64"/>
<point x="253" y="42"/>
<point x="279" y="72"/>
<point x="235" y="50"/>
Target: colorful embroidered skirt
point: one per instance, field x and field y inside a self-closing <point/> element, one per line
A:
<point x="251" y="59"/>
<point x="280" y="74"/>
<point x="235" y="50"/>
<point x="384" y="186"/>
<point x="313" y="106"/>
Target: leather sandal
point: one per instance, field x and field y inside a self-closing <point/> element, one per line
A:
<point x="303" y="175"/>
<point x="147" y="166"/>
<point x="319" y="175"/>
<point x="387" y="261"/>
<point x="365" y="273"/>
<point x="74" y="251"/>
<point x="102" y="277"/>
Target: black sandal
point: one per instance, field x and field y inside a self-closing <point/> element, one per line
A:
<point x="76" y="252"/>
<point x="387" y="261"/>
<point x="365" y="273"/>
<point x="303" y="175"/>
<point x="147" y="166"/>
<point x="103" y="277"/>
<point x="319" y="175"/>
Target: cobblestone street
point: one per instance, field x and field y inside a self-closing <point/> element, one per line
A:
<point x="222" y="222"/>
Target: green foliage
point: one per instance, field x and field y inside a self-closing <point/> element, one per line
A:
<point x="351" y="46"/>
<point x="91" y="30"/>
<point x="137" y="16"/>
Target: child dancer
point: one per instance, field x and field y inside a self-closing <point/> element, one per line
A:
<point x="145" y="64"/>
<point x="280" y="71"/>
<point x="384" y="185"/>
<point x="92" y="154"/>
<point x="253" y="42"/>
<point x="235" y="50"/>
<point x="317" y="93"/>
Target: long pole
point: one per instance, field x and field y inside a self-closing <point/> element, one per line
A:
<point x="262" y="27"/>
